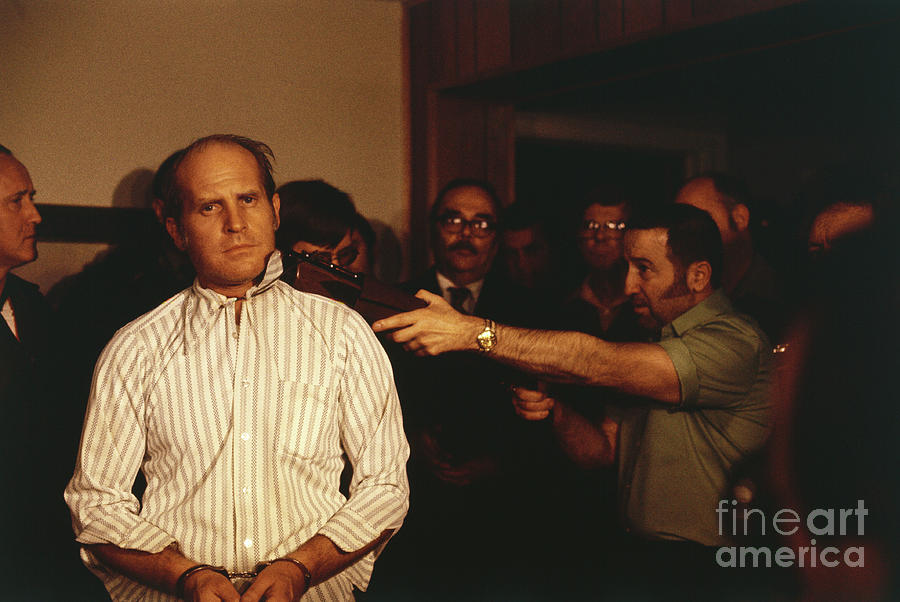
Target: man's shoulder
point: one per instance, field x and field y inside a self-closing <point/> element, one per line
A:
<point x="716" y="321"/>
<point x="168" y="312"/>
<point x="317" y="309"/>
<point x="21" y="287"/>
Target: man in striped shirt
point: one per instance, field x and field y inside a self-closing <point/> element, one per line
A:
<point x="238" y="398"/>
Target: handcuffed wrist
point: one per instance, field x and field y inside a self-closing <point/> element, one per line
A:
<point x="179" y="585"/>
<point x="307" y="575"/>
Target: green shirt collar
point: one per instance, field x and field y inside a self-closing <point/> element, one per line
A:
<point x="712" y="306"/>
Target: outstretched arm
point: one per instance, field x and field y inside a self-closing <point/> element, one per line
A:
<point x="636" y="368"/>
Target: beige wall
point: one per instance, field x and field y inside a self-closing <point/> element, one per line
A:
<point x="94" y="90"/>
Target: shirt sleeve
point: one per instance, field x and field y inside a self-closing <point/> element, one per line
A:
<point x="717" y="363"/>
<point x="374" y="440"/>
<point x="103" y="507"/>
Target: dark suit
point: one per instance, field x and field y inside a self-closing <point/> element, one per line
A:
<point x="458" y="416"/>
<point x="37" y="455"/>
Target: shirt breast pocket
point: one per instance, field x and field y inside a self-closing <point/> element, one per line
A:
<point x="305" y="421"/>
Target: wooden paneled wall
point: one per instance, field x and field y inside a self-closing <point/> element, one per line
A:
<point x="467" y="40"/>
<point x="452" y="44"/>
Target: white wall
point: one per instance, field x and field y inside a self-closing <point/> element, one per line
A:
<point x="94" y="90"/>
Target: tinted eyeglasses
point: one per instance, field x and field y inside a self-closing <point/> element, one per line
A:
<point x="454" y="224"/>
<point x="343" y="257"/>
<point x="592" y="228"/>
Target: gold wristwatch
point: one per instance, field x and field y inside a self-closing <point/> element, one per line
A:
<point x="487" y="338"/>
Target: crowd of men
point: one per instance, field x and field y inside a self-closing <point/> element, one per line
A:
<point x="538" y="434"/>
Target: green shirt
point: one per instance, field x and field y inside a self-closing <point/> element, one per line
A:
<point x="675" y="460"/>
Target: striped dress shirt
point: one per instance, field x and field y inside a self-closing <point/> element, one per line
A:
<point x="240" y="433"/>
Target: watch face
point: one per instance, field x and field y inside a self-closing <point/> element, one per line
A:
<point x="486" y="339"/>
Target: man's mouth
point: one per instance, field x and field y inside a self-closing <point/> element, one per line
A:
<point x="241" y="247"/>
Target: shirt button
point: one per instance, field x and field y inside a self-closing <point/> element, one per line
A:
<point x="234" y="334"/>
<point x="248" y="543"/>
<point x="245" y="490"/>
<point x="245" y="382"/>
<point x="245" y="436"/>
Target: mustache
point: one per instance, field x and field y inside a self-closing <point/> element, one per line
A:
<point x="462" y="245"/>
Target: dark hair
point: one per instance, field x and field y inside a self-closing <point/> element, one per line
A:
<point x="452" y="185"/>
<point x="692" y="236"/>
<point x="260" y="151"/>
<point x="313" y="211"/>
<point x="5" y="151"/>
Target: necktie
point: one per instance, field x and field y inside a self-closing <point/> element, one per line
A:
<point x="458" y="296"/>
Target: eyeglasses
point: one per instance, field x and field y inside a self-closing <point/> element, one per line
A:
<point x="592" y="227"/>
<point x="454" y="224"/>
<point x="344" y="257"/>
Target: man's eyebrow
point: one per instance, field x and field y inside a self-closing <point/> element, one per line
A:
<point x="487" y="216"/>
<point x="207" y="198"/>
<point x="638" y="259"/>
<point x="19" y="194"/>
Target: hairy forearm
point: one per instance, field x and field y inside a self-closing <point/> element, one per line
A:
<point x="325" y="560"/>
<point x="569" y="357"/>
<point x="159" y="570"/>
<point x="573" y="357"/>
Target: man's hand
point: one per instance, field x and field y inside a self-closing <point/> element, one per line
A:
<point x="531" y="404"/>
<point x="278" y="582"/>
<point x="434" y="329"/>
<point x="209" y="586"/>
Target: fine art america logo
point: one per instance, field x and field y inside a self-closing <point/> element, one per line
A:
<point x="821" y="522"/>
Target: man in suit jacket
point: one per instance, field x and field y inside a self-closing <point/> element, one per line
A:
<point x="34" y="452"/>
<point x="466" y="442"/>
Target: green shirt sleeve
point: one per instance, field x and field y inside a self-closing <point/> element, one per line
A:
<point x="717" y="363"/>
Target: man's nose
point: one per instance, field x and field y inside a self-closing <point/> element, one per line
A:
<point x="468" y="229"/>
<point x="631" y="282"/>
<point x="235" y="220"/>
<point x="34" y="217"/>
<point x="603" y="233"/>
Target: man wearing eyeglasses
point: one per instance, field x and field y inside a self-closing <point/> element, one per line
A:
<point x="705" y="385"/>
<point x="461" y="430"/>
<point x="321" y="220"/>
<point x="600" y="306"/>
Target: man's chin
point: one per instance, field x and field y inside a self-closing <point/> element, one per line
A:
<point x="645" y="318"/>
<point x="466" y="263"/>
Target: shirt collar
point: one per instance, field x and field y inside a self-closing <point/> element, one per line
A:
<point x="474" y="287"/>
<point x="714" y="305"/>
<point x="204" y="305"/>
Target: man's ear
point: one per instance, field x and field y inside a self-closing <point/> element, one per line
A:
<point x="741" y="216"/>
<point x="698" y="276"/>
<point x="276" y="207"/>
<point x="175" y="233"/>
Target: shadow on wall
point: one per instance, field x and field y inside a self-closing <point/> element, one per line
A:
<point x="388" y="252"/>
<point x="134" y="190"/>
